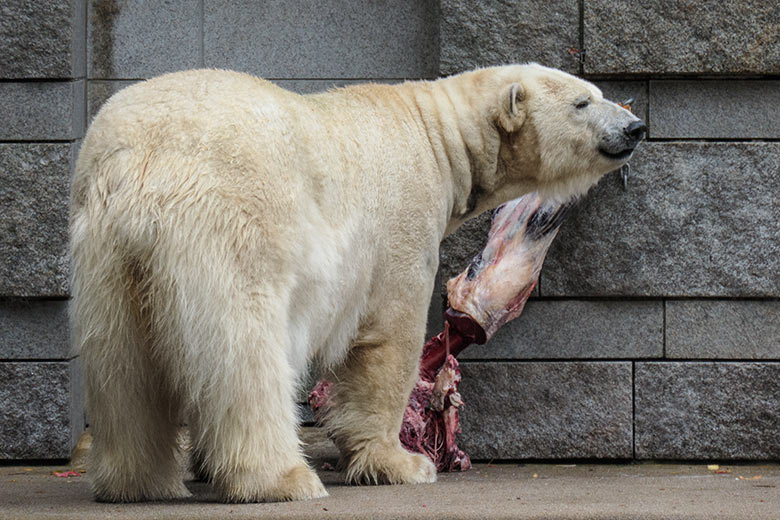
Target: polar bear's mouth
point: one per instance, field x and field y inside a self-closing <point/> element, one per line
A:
<point x="617" y="156"/>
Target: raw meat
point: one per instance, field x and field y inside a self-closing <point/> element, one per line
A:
<point x="490" y="292"/>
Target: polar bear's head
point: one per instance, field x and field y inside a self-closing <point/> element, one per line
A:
<point x="557" y="132"/>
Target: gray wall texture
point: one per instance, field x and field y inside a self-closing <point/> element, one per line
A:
<point x="655" y="332"/>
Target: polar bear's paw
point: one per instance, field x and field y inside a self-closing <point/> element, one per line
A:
<point x="299" y="483"/>
<point x="389" y="465"/>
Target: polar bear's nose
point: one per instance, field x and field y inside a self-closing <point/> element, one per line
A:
<point x="636" y="130"/>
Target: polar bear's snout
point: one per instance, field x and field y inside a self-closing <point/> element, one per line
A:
<point x="635" y="131"/>
<point x="620" y="143"/>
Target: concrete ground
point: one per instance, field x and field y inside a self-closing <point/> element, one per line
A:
<point x="566" y="491"/>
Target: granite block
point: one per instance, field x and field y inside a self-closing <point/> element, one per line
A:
<point x="723" y="329"/>
<point x="34" y="195"/>
<point x="42" y="110"/>
<point x="41" y="409"/>
<point x="659" y="37"/>
<point x="42" y="39"/>
<point x="495" y="32"/>
<point x="697" y="411"/>
<point x="99" y="91"/>
<point x="559" y="329"/>
<point x="34" y="329"/>
<point x="697" y="219"/>
<point x="554" y="410"/>
<point x="131" y="39"/>
<point x="311" y="40"/>
<point x="715" y="109"/>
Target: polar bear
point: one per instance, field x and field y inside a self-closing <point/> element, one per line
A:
<point x="226" y="233"/>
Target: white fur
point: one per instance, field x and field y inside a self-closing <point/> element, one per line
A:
<point x="225" y="233"/>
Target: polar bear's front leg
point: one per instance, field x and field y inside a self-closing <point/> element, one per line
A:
<point x="370" y="394"/>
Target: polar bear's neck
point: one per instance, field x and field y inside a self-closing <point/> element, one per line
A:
<point x="464" y="147"/>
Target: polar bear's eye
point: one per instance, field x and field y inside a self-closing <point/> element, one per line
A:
<point x="582" y="104"/>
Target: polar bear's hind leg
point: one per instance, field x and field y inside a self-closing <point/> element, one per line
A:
<point x="133" y="414"/>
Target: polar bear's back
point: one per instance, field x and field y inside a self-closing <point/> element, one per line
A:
<point x="188" y="111"/>
<point x="206" y="90"/>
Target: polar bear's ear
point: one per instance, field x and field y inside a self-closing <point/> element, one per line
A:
<point x="516" y="97"/>
<point x="512" y="107"/>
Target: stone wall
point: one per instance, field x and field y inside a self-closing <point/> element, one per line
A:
<point x="656" y="329"/>
<point x="42" y="115"/>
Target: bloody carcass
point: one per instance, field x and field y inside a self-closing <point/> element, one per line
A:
<point x="490" y="292"/>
